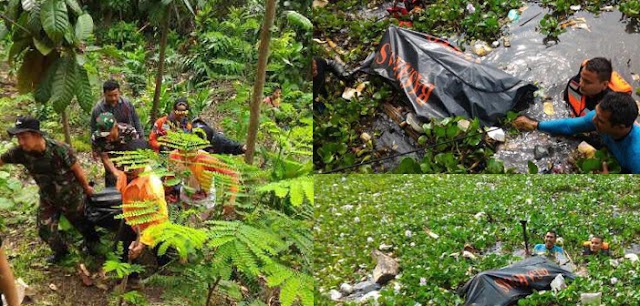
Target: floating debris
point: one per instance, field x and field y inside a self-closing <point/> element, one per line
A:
<point x="506" y="42"/>
<point x="431" y="234"/>
<point x="464" y="124"/>
<point x="513" y="15"/>
<point x="548" y="108"/>
<point x="586" y="150"/>
<point x="415" y="123"/>
<point x="497" y="134"/>
<point x="481" y="48"/>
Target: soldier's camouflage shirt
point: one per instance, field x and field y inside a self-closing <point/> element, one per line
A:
<point x="50" y="169"/>
<point x="126" y="133"/>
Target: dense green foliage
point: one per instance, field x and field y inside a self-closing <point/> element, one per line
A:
<point x="357" y="213"/>
<point x="260" y="256"/>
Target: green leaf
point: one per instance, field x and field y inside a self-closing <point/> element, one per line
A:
<point x="408" y="165"/>
<point x="74" y="6"/>
<point x="64" y="84"/>
<point x="299" y="20"/>
<point x="84" y="27"/>
<point x="495" y="166"/>
<point x="42" y="45"/>
<point x="3" y="31"/>
<point x="55" y="20"/>
<point x="533" y="168"/>
<point x="172" y="182"/>
<point x="83" y="90"/>
<point x="296" y="194"/>
<point x="5" y="203"/>
<point x="17" y="47"/>
<point x="43" y="90"/>
<point x="590" y="165"/>
<point x="30" y="71"/>
<point x="188" y="5"/>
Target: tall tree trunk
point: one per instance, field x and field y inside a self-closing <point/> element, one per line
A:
<point x="163" y="49"/>
<point x="258" y="86"/>
<point x="65" y="127"/>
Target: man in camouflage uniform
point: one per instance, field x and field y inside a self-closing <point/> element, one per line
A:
<point x="110" y="136"/>
<point x="62" y="183"/>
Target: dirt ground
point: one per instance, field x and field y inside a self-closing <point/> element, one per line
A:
<point x="57" y="284"/>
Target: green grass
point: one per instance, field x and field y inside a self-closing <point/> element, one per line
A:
<point x="385" y="206"/>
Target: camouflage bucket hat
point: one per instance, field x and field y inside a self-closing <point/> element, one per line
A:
<point x="104" y="124"/>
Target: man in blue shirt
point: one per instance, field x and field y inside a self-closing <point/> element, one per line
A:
<point x="613" y="119"/>
<point x="549" y="248"/>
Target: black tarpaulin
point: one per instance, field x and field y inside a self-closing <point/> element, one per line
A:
<point x="507" y="285"/>
<point x="440" y="81"/>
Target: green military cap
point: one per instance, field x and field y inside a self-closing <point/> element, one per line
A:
<point x="104" y="124"/>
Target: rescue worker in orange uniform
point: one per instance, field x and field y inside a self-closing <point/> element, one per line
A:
<point x="178" y="120"/>
<point x="595" y="79"/>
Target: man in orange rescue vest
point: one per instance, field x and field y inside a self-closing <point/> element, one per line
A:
<point x="594" y="80"/>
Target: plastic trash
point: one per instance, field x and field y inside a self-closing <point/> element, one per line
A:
<point x="470" y="8"/>
<point x="506" y="42"/>
<point x="539" y="152"/>
<point x="497" y="134"/>
<point x="365" y="137"/>
<point x="481" y="48"/>
<point x="415" y="123"/>
<point x="587" y="150"/>
<point x="335" y="295"/>
<point x="548" y="108"/>
<point x="513" y="15"/>
<point x="575" y="7"/>
<point x="558" y="283"/>
<point x="632" y="257"/>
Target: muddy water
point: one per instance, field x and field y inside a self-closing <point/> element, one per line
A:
<point x="391" y="140"/>
<point x="549" y="66"/>
<point x="552" y="65"/>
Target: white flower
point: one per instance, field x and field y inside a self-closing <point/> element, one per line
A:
<point x="369" y="239"/>
<point x="423" y="281"/>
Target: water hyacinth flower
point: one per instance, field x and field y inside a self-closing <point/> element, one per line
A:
<point x="423" y="281"/>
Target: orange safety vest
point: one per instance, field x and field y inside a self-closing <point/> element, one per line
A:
<point x="578" y="102"/>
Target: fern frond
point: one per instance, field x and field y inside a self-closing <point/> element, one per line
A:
<point x="242" y="245"/>
<point x="183" y="141"/>
<point x="293" y="284"/>
<point x="183" y="239"/>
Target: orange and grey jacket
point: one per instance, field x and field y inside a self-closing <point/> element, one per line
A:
<point x="580" y="104"/>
